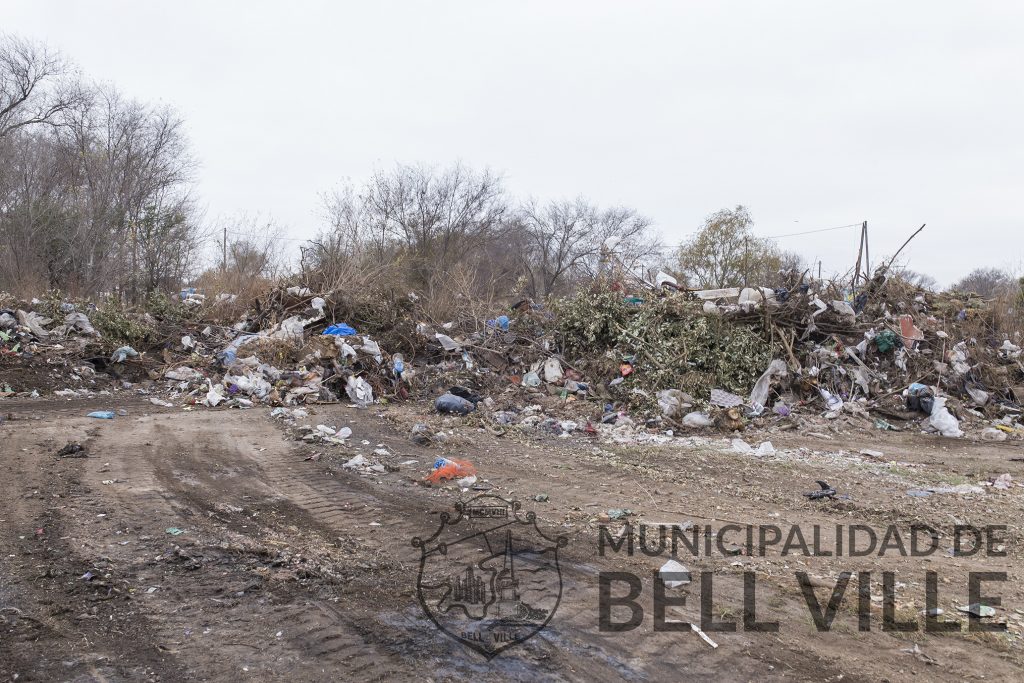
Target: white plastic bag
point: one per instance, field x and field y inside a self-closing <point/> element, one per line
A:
<point x="670" y="401"/>
<point x="943" y="421"/>
<point x="697" y="420"/>
<point x="759" y="394"/>
<point x="359" y="391"/>
<point x="552" y="371"/>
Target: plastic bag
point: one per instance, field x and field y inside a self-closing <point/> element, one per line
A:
<point x="450" y="403"/>
<point x="670" y="401"/>
<point x="445" y="469"/>
<point x="843" y="308"/>
<point x="750" y="297"/>
<point x="359" y="391"/>
<point x="759" y="394"/>
<point x="664" y="278"/>
<point x="340" y="330"/>
<point x="183" y="374"/>
<point x="696" y="420"/>
<point x="122" y="353"/>
<point x="215" y="395"/>
<point x="552" y="371"/>
<point x="943" y="421"/>
<point x="832" y="402"/>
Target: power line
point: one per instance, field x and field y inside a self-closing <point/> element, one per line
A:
<point x="810" y="232"/>
<point x="775" y="237"/>
<point x="273" y="237"/>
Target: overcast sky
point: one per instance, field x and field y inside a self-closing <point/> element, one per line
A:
<point x="813" y="114"/>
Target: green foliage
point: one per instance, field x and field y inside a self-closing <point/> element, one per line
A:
<point x="163" y="307"/>
<point x="673" y="343"/>
<point x="590" y="322"/>
<point x="120" y="326"/>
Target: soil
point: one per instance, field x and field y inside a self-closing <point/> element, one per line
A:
<point x="195" y="545"/>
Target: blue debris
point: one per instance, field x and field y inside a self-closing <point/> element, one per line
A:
<point x="340" y="330"/>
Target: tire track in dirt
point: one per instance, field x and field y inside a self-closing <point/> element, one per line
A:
<point x="171" y="478"/>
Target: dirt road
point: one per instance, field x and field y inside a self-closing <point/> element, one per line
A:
<point x="208" y="545"/>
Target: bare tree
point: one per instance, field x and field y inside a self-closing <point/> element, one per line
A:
<point x="564" y="240"/>
<point x="986" y="282"/>
<point x="94" y="187"/>
<point x="429" y="220"/>
<point x="32" y="85"/>
<point x="438" y="217"/>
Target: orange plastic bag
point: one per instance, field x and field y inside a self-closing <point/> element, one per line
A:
<point x="445" y="469"/>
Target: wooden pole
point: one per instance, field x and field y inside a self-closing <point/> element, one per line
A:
<point x="867" y="254"/>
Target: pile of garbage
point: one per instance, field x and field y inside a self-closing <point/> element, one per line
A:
<point x="641" y="356"/>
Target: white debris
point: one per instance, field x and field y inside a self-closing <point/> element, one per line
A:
<point x="674" y="574"/>
<point x="741" y="446"/>
<point x="696" y="420"/>
<point x="356" y="462"/>
<point x="359" y="391"/>
<point x="552" y="371"/>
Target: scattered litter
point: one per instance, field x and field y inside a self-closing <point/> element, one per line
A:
<point x="450" y="403"/>
<point x="359" y="391"/>
<point x="674" y="574"/>
<point x="123" y="354"/>
<point x="697" y="420"/>
<point x="976" y="609"/>
<point x="446" y="470"/>
<point x="826" y="491"/>
<point x="704" y="636"/>
<point x="943" y="421"/>
<point x="1003" y="481"/>
<point x="73" y="449"/>
<point x="741" y="446"/>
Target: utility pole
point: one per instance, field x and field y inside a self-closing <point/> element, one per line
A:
<point x="224" y="252"/>
<point x="867" y="253"/>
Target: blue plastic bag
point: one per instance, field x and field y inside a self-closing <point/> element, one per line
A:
<point x="102" y="414"/>
<point x="501" y="322"/>
<point x="340" y="330"/>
